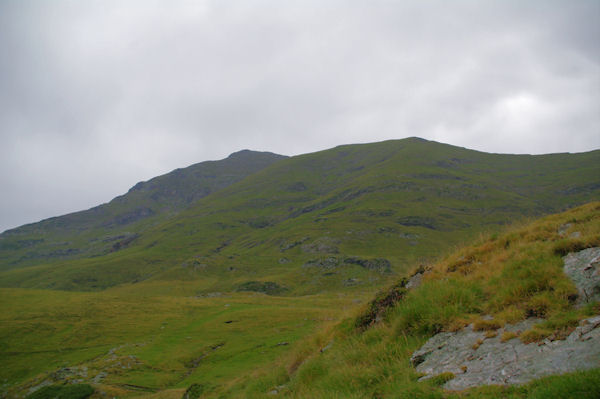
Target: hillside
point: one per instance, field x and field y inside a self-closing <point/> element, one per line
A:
<point x="517" y="278"/>
<point x="108" y="227"/>
<point x="354" y="215"/>
<point x="156" y="338"/>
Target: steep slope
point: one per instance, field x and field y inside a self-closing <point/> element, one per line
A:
<point x="510" y="289"/>
<point x="112" y="226"/>
<point x="323" y="221"/>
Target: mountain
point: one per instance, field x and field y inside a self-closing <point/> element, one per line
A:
<point x="242" y="290"/>
<point x="351" y="215"/>
<point x="109" y="227"/>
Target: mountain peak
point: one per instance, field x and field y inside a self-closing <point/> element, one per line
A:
<point x="245" y="153"/>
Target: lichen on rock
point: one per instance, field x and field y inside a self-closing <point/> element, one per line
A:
<point x="494" y="362"/>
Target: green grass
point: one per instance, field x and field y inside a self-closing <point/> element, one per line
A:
<point x="509" y="282"/>
<point x="175" y="338"/>
<point x="165" y="334"/>
<point x="117" y="224"/>
<point x="76" y="391"/>
<point x="184" y="302"/>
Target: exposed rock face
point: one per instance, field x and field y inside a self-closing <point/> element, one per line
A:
<point x="415" y="280"/>
<point x="266" y="287"/>
<point x="476" y="360"/>
<point x="379" y="264"/>
<point x="583" y="268"/>
<point x="322" y="245"/>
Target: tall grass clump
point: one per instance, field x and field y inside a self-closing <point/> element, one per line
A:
<point x="436" y="306"/>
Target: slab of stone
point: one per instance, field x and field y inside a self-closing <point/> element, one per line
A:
<point x="476" y="360"/>
<point x="583" y="268"/>
<point x="415" y="281"/>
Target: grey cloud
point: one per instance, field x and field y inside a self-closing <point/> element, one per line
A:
<point x="98" y="95"/>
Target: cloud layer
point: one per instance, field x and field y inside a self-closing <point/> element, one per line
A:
<point x="97" y="95"/>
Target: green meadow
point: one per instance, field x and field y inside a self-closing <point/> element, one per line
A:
<point x="153" y="341"/>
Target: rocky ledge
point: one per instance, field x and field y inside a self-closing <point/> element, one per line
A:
<point x="476" y="358"/>
<point x="583" y="268"/>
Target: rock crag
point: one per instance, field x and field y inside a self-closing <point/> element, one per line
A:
<point x="583" y="268"/>
<point x="476" y="358"/>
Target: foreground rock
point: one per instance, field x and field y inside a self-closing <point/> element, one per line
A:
<point x="583" y="268"/>
<point x="476" y="360"/>
<point x="503" y="359"/>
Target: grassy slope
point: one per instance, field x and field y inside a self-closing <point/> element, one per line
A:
<point x="96" y="231"/>
<point x="163" y="325"/>
<point x="403" y="200"/>
<point x="509" y="276"/>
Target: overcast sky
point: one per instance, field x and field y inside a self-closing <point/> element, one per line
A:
<point x="98" y="95"/>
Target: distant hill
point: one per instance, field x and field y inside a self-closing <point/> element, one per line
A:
<point x="349" y="216"/>
<point x="109" y="227"/>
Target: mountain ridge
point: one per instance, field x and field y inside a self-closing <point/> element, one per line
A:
<point x="408" y="198"/>
<point x="150" y="200"/>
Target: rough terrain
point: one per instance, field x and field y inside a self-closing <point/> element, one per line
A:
<point x="477" y="358"/>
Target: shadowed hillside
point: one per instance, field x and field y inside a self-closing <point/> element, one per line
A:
<point x="115" y="225"/>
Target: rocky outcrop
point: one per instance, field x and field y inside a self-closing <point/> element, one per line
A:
<point x="378" y="264"/>
<point x="583" y="268"/>
<point x="476" y="360"/>
<point x="265" y="287"/>
<point x="479" y="358"/>
<point x="322" y="245"/>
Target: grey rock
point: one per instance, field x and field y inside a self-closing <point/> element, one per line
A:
<point x="378" y="264"/>
<point x="322" y="245"/>
<point x="39" y="386"/>
<point x="351" y="282"/>
<point x="326" y="347"/>
<point x="513" y="362"/>
<point x="325" y="263"/>
<point x="99" y="377"/>
<point x="562" y="230"/>
<point x="414" y="281"/>
<point x="583" y="268"/>
<point x="289" y="245"/>
<point x="277" y="390"/>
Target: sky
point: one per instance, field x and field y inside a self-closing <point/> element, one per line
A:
<point x="98" y="95"/>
